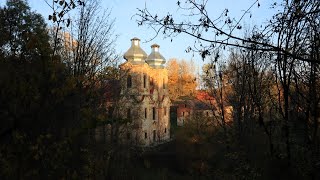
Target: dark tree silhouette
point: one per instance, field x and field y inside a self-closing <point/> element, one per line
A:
<point x="218" y="32"/>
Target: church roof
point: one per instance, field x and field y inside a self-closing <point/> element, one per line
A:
<point x="135" y="54"/>
<point x="155" y="59"/>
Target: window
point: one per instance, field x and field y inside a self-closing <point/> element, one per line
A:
<point x="185" y="105"/>
<point x="129" y="81"/>
<point x="207" y="113"/>
<point x="128" y="113"/>
<point x="145" y="135"/>
<point x="145" y="113"/>
<point x="151" y="81"/>
<point x="165" y="111"/>
<point x="144" y="81"/>
<point x="164" y="84"/>
<point x="154" y="135"/>
<point x="183" y="114"/>
<point x="154" y="113"/>
<point x="165" y="130"/>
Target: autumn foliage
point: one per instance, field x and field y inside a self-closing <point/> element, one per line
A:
<point x="182" y="78"/>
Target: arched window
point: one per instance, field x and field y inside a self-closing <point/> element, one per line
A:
<point x="164" y="83"/>
<point x="129" y="81"/>
<point x="154" y="135"/>
<point x="144" y="81"/>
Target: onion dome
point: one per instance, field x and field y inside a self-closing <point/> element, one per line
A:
<point x="135" y="54"/>
<point x="155" y="59"/>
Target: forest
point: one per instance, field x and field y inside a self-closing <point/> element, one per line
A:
<point x="55" y="80"/>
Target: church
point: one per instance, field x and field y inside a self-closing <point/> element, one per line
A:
<point x="144" y="94"/>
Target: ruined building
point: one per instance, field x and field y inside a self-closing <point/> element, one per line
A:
<point x="144" y="95"/>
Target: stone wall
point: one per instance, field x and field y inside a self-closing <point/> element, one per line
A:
<point x="148" y="94"/>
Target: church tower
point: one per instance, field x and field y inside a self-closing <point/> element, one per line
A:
<point x="145" y="95"/>
<point x="135" y="55"/>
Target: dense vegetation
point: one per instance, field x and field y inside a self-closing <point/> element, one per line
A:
<point x="182" y="79"/>
<point x="270" y="78"/>
<point x="53" y="90"/>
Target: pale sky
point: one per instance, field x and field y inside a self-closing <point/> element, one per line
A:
<point x="127" y="28"/>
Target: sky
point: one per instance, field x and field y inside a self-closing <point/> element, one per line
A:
<point x="126" y="27"/>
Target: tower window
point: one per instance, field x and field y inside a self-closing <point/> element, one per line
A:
<point x="165" y="111"/>
<point x="165" y="130"/>
<point x="183" y="114"/>
<point x="144" y="81"/>
<point x="145" y="113"/>
<point x="129" y="81"/>
<point x="164" y="84"/>
<point x="154" y="135"/>
<point x="154" y="113"/>
<point x="145" y="135"/>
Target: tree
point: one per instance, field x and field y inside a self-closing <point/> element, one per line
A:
<point x="24" y="53"/>
<point x="60" y="9"/>
<point x="48" y="105"/>
<point x="292" y="28"/>
<point x="283" y="87"/>
<point x="34" y="97"/>
<point x="211" y="32"/>
<point x="173" y="78"/>
<point x="208" y="75"/>
<point x="23" y="32"/>
<point x="86" y="46"/>
<point x="181" y="80"/>
<point x="285" y="37"/>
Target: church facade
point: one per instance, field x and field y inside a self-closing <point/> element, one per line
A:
<point x="144" y="95"/>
